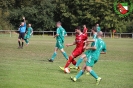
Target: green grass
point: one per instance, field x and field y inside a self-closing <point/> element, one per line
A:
<point x="29" y="68"/>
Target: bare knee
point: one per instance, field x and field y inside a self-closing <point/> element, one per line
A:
<point x="88" y="68"/>
<point x="83" y="56"/>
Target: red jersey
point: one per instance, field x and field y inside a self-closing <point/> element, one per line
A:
<point x="85" y="30"/>
<point x="80" y="40"/>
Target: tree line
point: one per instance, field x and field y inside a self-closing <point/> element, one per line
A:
<point x="43" y="14"/>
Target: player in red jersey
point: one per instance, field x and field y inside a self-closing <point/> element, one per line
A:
<point x="85" y="29"/>
<point x="80" y="46"/>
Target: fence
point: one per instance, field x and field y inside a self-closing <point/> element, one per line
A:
<point x="13" y="33"/>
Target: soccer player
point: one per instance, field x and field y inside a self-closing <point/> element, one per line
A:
<point x="99" y="47"/>
<point x="28" y="34"/>
<point x="98" y="28"/>
<point x="22" y="30"/>
<point x="85" y="29"/>
<point x="60" y="34"/>
<point x="80" y="46"/>
<point x="88" y="41"/>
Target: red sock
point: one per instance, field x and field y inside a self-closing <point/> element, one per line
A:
<point x="68" y="61"/>
<point x="73" y="62"/>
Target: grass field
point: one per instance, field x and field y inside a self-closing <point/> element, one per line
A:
<point x="29" y="68"/>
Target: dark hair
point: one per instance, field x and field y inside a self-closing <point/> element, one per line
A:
<point x="58" y="22"/>
<point x="79" y="28"/>
<point x="94" y="28"/>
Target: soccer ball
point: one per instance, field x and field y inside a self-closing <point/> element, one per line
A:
<point x="67" y="70"/>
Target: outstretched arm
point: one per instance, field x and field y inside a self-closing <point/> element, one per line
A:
<point x="103" y="53"/>
<point x="31" y="32"/>
<point x="91" y="48"/>
<point x="74" y="43"/>
<point x="92" y="40"/>
<point x="56" y="35"/>
<point x="24" y="19"/>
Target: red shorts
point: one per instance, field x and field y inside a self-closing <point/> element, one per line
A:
<point x="77" y="52"/>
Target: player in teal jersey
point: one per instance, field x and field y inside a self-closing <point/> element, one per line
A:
<point x="94" y="32"/>
<point x="28" y="34"/>
<point x="92" y="57"/>
<point x="82" y="56"/>
<point x="60" y="36"/>
<point x="98" y="28"/>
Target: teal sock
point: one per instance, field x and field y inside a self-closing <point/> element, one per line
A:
<point x="26" y="40"/>
<point x="79" y="74"/>
<point x="53" y="56"/>
<point x="93" y="74"/>
<point x="65" y="55"/>
<point x="79" y="61"/>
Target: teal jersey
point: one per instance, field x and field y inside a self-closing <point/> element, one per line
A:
<point x="61" y="34"/>
<point x="94" y="36"/>
<point x="98" y="29"/>
<point x="101" y="46"/>
<point x="29" y="31"/>
<point x="95" y="44"/>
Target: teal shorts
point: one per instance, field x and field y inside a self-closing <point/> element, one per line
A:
<point x="91" y="60"/>
<point x="26" y="36"/>
<point x="59" y="44"/>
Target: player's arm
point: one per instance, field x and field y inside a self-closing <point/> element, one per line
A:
<point x="91" y="48"/>
<point x="103" y="50"/>
<point x="94" y="47"/>
<point x="57" y="33"/>
<point x="65" y="34"/>
<point x="31" y="31"/>
<point x="24" y="19"/>
<point x="86" y="43"/>
<point x="92" y="40"/>
<point x="103" y="53"/>
<point x="74" y="43"/>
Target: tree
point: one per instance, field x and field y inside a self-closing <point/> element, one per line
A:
<point x="79" y="12"/>
<point x="40" y="13"/>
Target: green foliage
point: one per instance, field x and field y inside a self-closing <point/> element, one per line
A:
<point x="38" y="12"/>
<point x="44" y="13"/>
<point x="79" y="12"/>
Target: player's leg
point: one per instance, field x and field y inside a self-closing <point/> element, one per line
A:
<point x="22" y="40"/>
<point x="19" y="43"/>
<point x="26" y="39"/>
<point x="19" y="39"/>
<point x="75" y="53"/>
<point x="54" y="55"/>
<point x="80" y="73"/>
<point x="89" y="63"/>
<point x="81" y="58"/>
<point x="74" y="62"/>
<point x="69" y="61"/>
<point x="60" y="45"/>
<point x="64" y="53"/>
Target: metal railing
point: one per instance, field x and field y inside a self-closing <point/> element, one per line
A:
<point x="13" y="33"/>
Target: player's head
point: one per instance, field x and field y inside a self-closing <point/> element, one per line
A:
<point x="29" y="25"/>
<point x="93" y="29"/>
<point x="97" y="25"/>
<point x="22" y="23"/>
<point x="58" y="24"/>
<point x="78" y="29"/>
<point x="84" y="26"/>
<point x="99" y="34"/>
